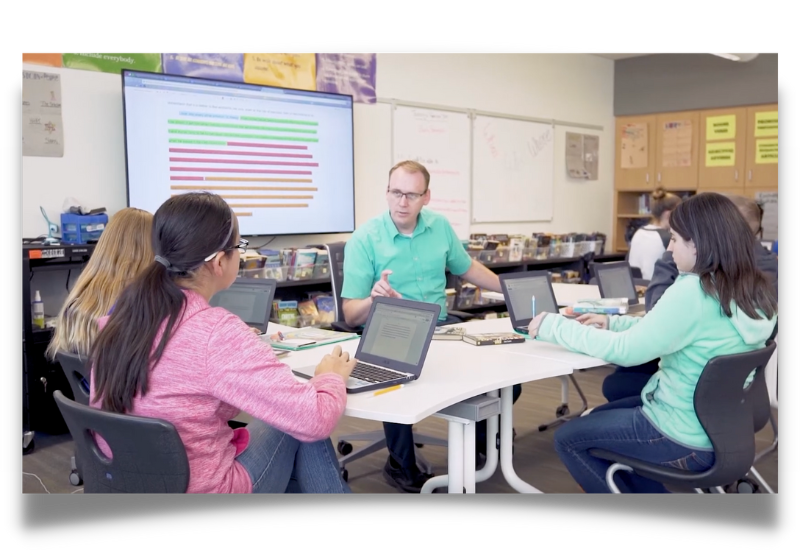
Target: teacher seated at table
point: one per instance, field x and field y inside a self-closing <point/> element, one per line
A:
<point x="629" y="381"/>
<point x="403" y="253"/>
<point x="720" y="304"/>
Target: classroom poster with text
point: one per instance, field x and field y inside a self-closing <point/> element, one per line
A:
<point x="348" y="73"/>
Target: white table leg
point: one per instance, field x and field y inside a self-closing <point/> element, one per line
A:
<point x="468" y="454"/>
<point x="455" y="457"/>
<point x="506" y="443"/>
<point x="492" y="458"/>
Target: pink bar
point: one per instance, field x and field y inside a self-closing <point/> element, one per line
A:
<point x="235" y="170"/>
<point x="267" y="145"/>
<point x="247" y="153"/>
<point x="237" y="161"/>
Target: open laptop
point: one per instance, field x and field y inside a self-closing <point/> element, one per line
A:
<point x="393" y="346"/>
<point x="518" y="288"/>
<point x="615" y="281"/>
<point x="249" y="299"/>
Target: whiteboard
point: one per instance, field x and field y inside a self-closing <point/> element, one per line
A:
<point x="439" y="140"/>
<point x="512" y="172"/>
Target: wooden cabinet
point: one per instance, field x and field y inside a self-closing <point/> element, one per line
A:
<point x="761" y="162"/>
<point x="723" y="150"/>
<point x="635" y="153"/>
<point x="676" y="150"/>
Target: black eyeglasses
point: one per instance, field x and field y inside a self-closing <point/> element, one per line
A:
<point x="242" y="246"/>
<point x="398" y="195"/>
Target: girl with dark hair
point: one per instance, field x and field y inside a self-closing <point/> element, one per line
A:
<point x="720" y="304"/>
<point x="165" y="353"/>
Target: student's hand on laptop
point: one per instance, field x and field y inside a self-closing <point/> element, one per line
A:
<point x="257" y="331"/>
<point x="536" y="322"/>
<point x="337" y="362"/>
<point x="601" y="321"/>
<point x="383" y="288"/>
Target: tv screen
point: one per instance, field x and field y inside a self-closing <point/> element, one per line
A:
<point x="282" y="159"/>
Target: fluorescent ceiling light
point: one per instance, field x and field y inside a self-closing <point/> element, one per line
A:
<point x="743" y="57"/>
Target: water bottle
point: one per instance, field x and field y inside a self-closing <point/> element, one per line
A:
<point x="38" y="310"/>
<point x="533" y="307"/>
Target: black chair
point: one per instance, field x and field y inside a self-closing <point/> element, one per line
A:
<point x="78" y="375"/>
<point x="725" y="409"/>
<point x="148" y="454"/>
<point x="336" y="261"/>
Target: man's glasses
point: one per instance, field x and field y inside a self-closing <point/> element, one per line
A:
<point x="242" y="246"/>
<point x="412" y="197"/>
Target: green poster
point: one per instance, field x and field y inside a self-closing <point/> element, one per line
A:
<point x="113" y="62"/>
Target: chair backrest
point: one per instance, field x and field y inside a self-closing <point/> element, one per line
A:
<point x="148" y="455"/>
<point x="336" y="261"/>
<point x="727" y="410"/>
<point x="76" y="371"/>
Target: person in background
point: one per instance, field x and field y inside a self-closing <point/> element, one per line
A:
<point x="122" y="252"/>
<point x="720" y="304"/>
<point x="404" y="253"/>
<point x="165" y="353"/>
<point x="650" y="242"/>
<point x="628" y="381"/>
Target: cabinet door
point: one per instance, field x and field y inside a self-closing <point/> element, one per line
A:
<point x="677" y="136"/>
<point x="762" y="147"/>
<point x="722" y="150"/>
<point x="635" y="152"/>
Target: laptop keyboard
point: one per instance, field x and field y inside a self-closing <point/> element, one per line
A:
<point x="369" y="373"/>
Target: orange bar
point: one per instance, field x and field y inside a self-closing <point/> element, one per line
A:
<point x="243" y="213"/>
<point x="267" y="196"/>
<point x="268" y="205"/>
<point x="272" y="180"/>
<point x="231" y="188"/>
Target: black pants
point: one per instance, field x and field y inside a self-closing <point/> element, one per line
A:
<point x="400" y="438"/>
<point x="628" y="381"/>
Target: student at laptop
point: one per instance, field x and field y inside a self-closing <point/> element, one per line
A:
<point x="164" y="353"/>
<point x="412" y="247"/>
<point x="650" y="242"/>
<point x="629" y="381"/>
<point x="720" y="304"/>
<point x="122" y="252"/>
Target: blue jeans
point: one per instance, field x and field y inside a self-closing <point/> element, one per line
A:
<point x="623" y="428"/>
<point x="279" y="463"/>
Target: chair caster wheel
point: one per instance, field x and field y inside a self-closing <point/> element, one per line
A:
<point x="744" y="486"/>
<point x="563" y="410"/>
<point x="29" y="449"/>
<point x="345" y="474"/>
<point x="75" y="479"/>
<point x="418" y="445"/>
<point x="344" y="448"/>
<point x="543" y="427"/>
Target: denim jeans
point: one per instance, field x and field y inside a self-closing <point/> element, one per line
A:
<point x="623" y="428"/>
<point x="279" y="463"/>
<point x="628" y="381"/>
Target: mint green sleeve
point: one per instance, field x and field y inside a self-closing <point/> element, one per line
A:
<point x="458" y="261"/>
<point x="667" y="328"/>
<point x="621" y="323"/>
<point x="359" y="274"/>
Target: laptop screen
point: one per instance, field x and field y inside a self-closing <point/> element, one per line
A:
<point x="250" y="303"/>
<point x="520" y="291"/>
<point x="616" y="282"/>
<point x="397" y="333"/>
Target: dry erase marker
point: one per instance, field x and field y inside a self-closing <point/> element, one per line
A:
<point x="281" y="336"/>
<point x="533" y="307"/>
<point x="387" y="390"/>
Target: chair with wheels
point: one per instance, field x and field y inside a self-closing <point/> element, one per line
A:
<point x="725" y="408"/>
<point x="148" y="455"/>
<point x="78" y="375"/>
<point x="376" y="439"/>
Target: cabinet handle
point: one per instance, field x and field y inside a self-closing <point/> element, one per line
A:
<point x="659" y="177"/>
<point x="647" y="178"/>
<point x="736" y="175"/>
<point x="750" y="175"/>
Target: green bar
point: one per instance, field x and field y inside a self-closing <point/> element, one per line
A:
<point x="240" y="126"/>
<point x="231" y="134"/>
<point x="281" y="120"/>
<point x="198" y="141"/>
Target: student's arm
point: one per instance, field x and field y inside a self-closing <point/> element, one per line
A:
<point x="243" y="371"/>
<point x="664" y="274"/>
<point x="664" y="330"/>
<point x="358" y="281"/>
<point x="463" y="265"/>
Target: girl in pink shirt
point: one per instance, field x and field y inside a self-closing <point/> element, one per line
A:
<point x="164" y="353"/>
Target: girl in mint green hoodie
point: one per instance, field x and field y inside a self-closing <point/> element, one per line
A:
<point x="720" y="304"/>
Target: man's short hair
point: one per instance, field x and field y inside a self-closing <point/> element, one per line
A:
<point x="750" y="209"/>
<point x="412" y="167"/>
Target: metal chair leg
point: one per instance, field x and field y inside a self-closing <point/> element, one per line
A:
<point x="562" y="412"/>
<point x="760" y="479"/>
<point x="614" y="468"/>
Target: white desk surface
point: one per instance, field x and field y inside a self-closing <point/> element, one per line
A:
<point x="566" y="293"/>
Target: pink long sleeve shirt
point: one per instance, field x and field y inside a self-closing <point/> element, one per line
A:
<point x="213" y="367"/>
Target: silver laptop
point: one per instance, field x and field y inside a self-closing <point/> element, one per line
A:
<point x="518" y="288"/>
<point x="615" y="281"/>
<point x="393" y="346"/>
<point x="249" y="299"/>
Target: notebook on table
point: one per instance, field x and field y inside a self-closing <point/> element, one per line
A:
<point x="393" y="346"/>
<point x="614" y="280"/>
<point x="518" y="288"/>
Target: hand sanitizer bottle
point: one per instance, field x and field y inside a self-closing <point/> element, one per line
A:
<point x="38" y="310"/>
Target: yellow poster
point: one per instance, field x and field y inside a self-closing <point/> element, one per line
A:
<point x="721" y="127"/>
<point x="287" y="70"/>
<point x="767" y="124"/>
<point x="767" y="151"/>
<point x="633" y="145"/>
<point x="721" y="154"/>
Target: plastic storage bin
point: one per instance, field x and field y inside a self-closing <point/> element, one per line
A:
<point x="82" y="229"/>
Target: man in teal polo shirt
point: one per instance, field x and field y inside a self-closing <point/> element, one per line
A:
<point x="404" y="253"/>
